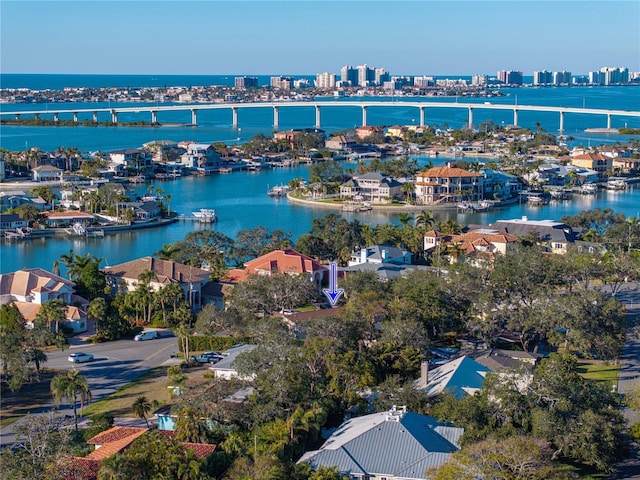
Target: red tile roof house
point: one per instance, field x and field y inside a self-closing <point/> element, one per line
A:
<point x="280" y="261"/>
<point x="115" y="441"/>
<point x="29" y="288"/>
<point x="448" y="185"/>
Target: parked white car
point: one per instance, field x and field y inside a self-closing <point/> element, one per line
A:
<point x="79" y="357"/>
<point x="149" y="335"/>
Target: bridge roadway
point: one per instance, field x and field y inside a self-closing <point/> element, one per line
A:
<point x="364" y="105"/>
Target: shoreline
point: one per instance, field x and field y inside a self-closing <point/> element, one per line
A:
<point x="52" y="232"/>
<point x="392" y="208"/>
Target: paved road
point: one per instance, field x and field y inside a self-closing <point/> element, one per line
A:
<point x="630" y="372"/>
<point x="115" y="364"/>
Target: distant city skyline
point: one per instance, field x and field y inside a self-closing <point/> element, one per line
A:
<point x="309" y="37"/>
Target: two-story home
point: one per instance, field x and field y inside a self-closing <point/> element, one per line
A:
<point x="556" y="237"/>
<point x="594" y="161"/>
<point x="340" y="142"/>
<point x="11" y="221"/>
<point x="379" y="254"/>
<point x="47" y="173"/>
<point x="371" y="187"/>
<point x="29" y="288"/>
<point x="481" y="243"/>
<point x="136" y="159"/>
<point x="201" y="157"/>
<point x="448" y="185"/>
<point x="191" y="279"/>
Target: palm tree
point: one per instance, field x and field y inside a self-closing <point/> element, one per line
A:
<point x="408" y="189"/>
<point x="189" y="467"/>
<point x="141" y="407"/>
<point x="425" y="219"/>
<point x="52" y="311"/>
<point x="69" y="386"/>
<point x="404" y="218"/>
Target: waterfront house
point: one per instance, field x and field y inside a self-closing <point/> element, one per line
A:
<point x="191" y="279"/>
<point x="15" y="198"/>
<point x="594" y="161"/>
<point x="29" y="288"/>
<point x="286" y="261"/>
<point x="68" y="218"/>
<point x="201" y="157"/>
<point x="47" y="173"/>
<point x="393" y="445"/>
<point x="340" y="142"/>
<point x="460" y="377"/>
<point x="371" y="187"/>
<point x="500" y="185"/>
<point x="136" y="159"/>
<point x="448" y="185"/>
<point x="143" y="211"/>
<point x="11" y="221"/>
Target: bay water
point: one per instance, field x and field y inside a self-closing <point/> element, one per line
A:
<point x="240" y="198"/>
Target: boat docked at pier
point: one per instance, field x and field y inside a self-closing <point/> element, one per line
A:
<point x="205" y="215"/>
<point x="279" y="191"/>
<point x="616" y="183"/>
<point x="589" y="189"/>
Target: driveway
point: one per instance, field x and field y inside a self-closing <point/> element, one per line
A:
<point x="115" y="364"/>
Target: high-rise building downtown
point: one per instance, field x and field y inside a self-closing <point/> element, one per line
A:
<point x="246" y="82"/>
<point x="510" y="77"/>
<point x="349" y="75"/>
<point x="325" y="80"/>
<point x="543" y="77"/>
<point x="366" y="75"/>
<point x="562" y="77"/>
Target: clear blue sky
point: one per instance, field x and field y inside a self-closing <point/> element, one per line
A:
<point x="309" y="37"/>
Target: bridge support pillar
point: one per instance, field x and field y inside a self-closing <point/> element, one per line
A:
<point x="56" y="117"/>
<point x="234" y="117"/>
<point x="95" y="117"/>
<point x="194" y="117"/>
<point x="364" y="116"/>
<point x="114" y="116"/>
<point x="276" y="119"/>
<point x="17" y="116"/>
<point x="317" y="116"/>
<point x="422" y="116"/>
<point x="608" y="121"/>
<point x="470" y="117"/>
<point x="515" y="117"/>
<point x="35" y="115"/>
<point x="154" y="116"/>
<point x="75" y="117"/>
<point x="561" y="129"/>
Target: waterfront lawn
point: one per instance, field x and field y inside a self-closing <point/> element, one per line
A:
<point x="599" y="371"/>
<point x="152" y="385"/>
<point x="31" y="397"/>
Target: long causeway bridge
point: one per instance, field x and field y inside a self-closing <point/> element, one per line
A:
<point x="422" y="108"/>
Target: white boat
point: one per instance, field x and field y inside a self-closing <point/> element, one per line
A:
<point x="616" y="183"/>
<point x="589" y="188"/>
<point x="205" y="215"/>
<point x="279" y="191"/>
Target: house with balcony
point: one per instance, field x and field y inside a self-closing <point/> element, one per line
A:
<point x="371" y="187"/>
<point x="47" y="173"/>
<point x="201" y="157"/>
<point x="340" y="142"/>
<point x="474" y="245"/>
<point x="448" y="185"/>
<point x="136" y="159"/>
<point x="192" y="280"/>
<point x="598" y="162"/>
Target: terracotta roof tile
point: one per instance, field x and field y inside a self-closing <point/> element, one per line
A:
<point x="82" y="468"/>
<point x="282" y="261"/>
<point x="114" y="434"/>
<point x="447" y="172"/>
<point x="201" y="450"/>
<point x="167" y="271"/>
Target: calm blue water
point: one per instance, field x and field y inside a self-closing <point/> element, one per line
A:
<point x="240" y="198"/>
